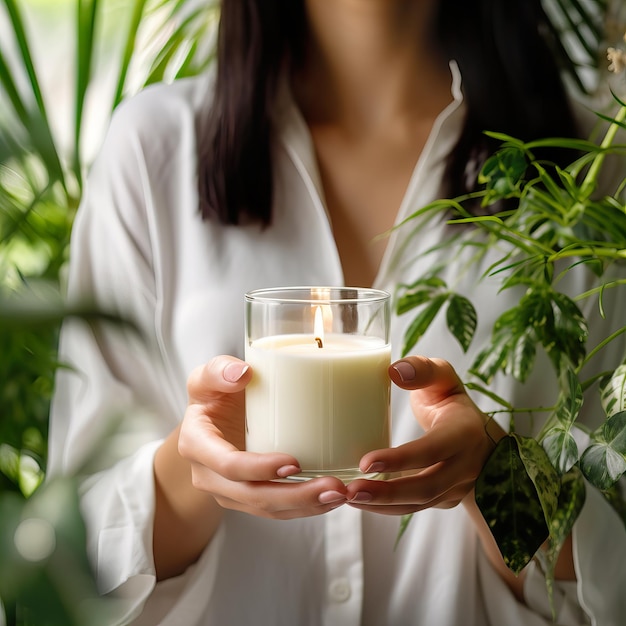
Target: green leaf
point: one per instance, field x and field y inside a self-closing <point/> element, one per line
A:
<point x="526" y="272"/>
<point x="577" y="27"/>
<point x="129" y="49"/>
<point x="404" y="523"/>
<point x="418" y="293"/>
<point x="517" y="493"/>
<point x="534" y="310"/>
<point x="561" y="449"/>
<point x="570" y="398"/>
<point x="45" y="566"/>
<point x="461" y="319"/>
<point x="601" y="465"/>
<point x="36" y="121"/>
<point x="512" y="345"/>
<point x="571" y="501"/>
<point x="10" y="89"/>
<point x="613" y="392"/>
<point x="494" y="357"/>
<point x="556" y="201"/>
<point x="614" y="431"/>
<point x="421" y="322"/>
<point x="542" y="316"/>
<point x="522" y="355"/>
<point x="503" y="172"/>
<point x="86" y="11"/>
<point x="569" y="333"/>
<point x="569" y="182"/>
<point x="541" y="471"/>
<point x="615" y="497"/>
<point x="604" y="461"/>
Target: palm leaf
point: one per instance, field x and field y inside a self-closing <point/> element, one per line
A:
<point x="577" y="32"/>
<point x="34" y="120"/>
<point x="85" y="27"/>
<point x="129" y="49"/>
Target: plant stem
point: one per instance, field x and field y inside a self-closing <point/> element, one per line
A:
<point x="588" y="252"/>
<point x="589" y="182"/>
<point x="601" y="288"/>
<point x="599" y="347"/>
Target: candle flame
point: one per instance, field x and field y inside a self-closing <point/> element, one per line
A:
<point x="319" y="327"/>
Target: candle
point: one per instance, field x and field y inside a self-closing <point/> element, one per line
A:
<point x="323" y="397"/>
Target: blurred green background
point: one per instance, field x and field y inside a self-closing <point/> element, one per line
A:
<point x="64" y="66"/>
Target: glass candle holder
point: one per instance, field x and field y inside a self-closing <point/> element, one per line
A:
<point x="320" y="387"/>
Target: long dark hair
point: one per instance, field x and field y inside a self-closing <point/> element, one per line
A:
<point x="511" y="84"/>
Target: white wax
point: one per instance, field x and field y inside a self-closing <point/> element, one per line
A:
<point x="326" y="406"/>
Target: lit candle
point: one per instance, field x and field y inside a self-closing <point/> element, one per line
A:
<point x="320" y="396"/>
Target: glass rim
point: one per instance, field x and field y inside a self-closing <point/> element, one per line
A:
<point x="296" y="295"/>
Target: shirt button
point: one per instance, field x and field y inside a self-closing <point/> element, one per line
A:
<point x="339" y="590"/>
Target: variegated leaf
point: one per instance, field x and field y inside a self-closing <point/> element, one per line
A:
<point x="601" y="465"/>
<point x="509" y="502"/>
<point x="613" y="392"/>
<point x="461" y="319"/>
<point x="571" y="397"/>
<point x="522" y="355"/>
<point x="604" y="461"/>
<point x="546" y="479"/>
<point x="561" y="449"/>
<point x="494" y="356"/>
<point x="571" y="500"/>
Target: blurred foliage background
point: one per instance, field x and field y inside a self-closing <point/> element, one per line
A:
<point x="64" y="67"/>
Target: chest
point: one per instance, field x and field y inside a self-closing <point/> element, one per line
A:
<point x="364" y="181"/>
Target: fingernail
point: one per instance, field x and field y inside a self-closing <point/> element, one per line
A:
<point x="287" y="470"/>
<point x="405" y="370"/>
<point x="234" y="371"/>
<point x="375" y="468"/>
<point x="362" y="496"/>
<point x="326" y="497"/>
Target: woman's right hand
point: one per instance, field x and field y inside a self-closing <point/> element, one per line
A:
<point x="212" y="439"/>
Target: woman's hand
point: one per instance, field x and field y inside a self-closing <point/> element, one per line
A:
<point x="212" y="439"/>
<point x="440" y="468"/>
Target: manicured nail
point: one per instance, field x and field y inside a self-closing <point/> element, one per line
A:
<point x="287" y="470"/>
<point x="405" y="370"/>
<point x="326" y="497"/>
<point x="375" y="468"/>
<point x="362" y="497"/>
<point x="234" y="371"/>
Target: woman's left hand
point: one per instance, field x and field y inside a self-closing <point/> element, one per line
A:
<point x="440" y="468"/>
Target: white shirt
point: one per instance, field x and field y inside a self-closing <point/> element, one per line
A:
<point x="140" y="246"/>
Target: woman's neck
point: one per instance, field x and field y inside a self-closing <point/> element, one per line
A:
<point x="369" y="62"/>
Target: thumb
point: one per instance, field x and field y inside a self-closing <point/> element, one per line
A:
<point x="436" y="376"/>
<point x="222" y="374"/>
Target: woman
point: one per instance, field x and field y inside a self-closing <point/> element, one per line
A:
<point x="325" y="124"/>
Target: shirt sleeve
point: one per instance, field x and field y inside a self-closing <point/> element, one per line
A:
<point x="115" y="398"/>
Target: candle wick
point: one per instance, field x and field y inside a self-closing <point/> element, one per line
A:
<point x="319" y="342"/>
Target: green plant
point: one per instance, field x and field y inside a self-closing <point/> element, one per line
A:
<point x="41" y="179"/>
<point x="577" y="30"/>
<point x="40" y="184"/>
<point x="544" y="221"/>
